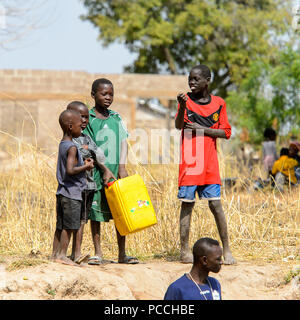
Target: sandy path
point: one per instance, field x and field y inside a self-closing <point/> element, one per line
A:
<point x="245" y="281"/>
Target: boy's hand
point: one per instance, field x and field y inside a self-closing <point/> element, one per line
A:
<point x="89" y="163"/>
<point x="182" y="99"/>
<point x="122" y="173"/>
<point x="85" y="146"/>
<point x="193" y="126"/>
<point x="107" y="175"/>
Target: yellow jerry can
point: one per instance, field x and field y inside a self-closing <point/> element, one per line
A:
<point x="130" y="204"/>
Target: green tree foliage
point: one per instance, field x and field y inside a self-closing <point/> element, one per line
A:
<point x="268" y="95"/>
<point x="174" y="35"/>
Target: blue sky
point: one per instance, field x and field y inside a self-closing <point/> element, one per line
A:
<point x="68" y="43"/>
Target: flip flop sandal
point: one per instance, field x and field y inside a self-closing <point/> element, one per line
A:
<point x="94" y="261"/>
<point x="97" y="261"/>
<point x="130" y="260"/>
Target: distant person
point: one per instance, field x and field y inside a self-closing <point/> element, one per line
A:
<point x="283" y="169"/>
<point x="107" y="130"/>
<point x="294" y="149"/>
<point x="269" y="153"/>
<point x="88" y="150"/>
<point x="71" y="182"/>
<point x="197" y="285"/>
<point x="201" y="112"/>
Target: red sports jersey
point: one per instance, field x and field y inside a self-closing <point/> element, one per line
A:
<point x="199" y="161"/>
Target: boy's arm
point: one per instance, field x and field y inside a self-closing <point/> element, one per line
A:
<point x="107" y="174"/>
<point x="100" y="159"/>
<point x="214" y="133"/>
<point x="179" y="121"/>
<point x="223" y="131"/>
<point x="71" y="162"/>
<point x="123" y="157"/>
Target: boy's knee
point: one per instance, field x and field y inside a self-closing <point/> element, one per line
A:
<point x="215" y="206"/>
<point x="186" y="208"/>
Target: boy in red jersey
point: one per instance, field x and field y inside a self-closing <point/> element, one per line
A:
<point x="204" y="119"/>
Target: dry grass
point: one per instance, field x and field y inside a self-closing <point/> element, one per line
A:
<point x="262" y="225"/>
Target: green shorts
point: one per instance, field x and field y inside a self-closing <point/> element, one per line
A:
<point x="100" y="210"/>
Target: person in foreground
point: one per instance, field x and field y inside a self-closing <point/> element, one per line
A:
<point x="89" y="150"/>
<point x="197" y="285"/>
<point x="71" y="182"/>
<point x="107" y="130"/>
<point x="202" y="118"/>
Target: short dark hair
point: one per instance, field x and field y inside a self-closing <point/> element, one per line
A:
<point x="75" y="104"/>
<point x="205" y="71"/>
<point x="202" y="247"/>
<point x="65" y="117"/>
<point x="284" y="152"/>
<point x="269" y="133"/>
<point x="98" y="82"/>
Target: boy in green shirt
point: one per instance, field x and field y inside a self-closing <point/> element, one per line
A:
<point x="108" y="132"/>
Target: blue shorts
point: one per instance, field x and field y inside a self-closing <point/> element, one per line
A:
<point x="208" y="192"/>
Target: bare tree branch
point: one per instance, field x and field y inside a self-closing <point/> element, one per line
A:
<point x="18" y="19"/>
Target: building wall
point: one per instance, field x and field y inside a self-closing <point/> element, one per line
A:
<point x="31" y="100"/>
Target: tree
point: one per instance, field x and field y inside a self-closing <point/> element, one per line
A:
<point x="269" y="96"/>
<point x="174" y="35"/>
<point x="20" y="18"/>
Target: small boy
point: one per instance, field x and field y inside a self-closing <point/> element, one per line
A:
<point x="108" y="132"/>
<point x="283" y="169"/>
<point x="71" y="182"/>
<point x="197" y="285"/>
<point x="201" y="113"/>
<point x="88" y="150"/>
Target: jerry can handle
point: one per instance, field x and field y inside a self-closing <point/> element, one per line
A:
<point x="111" y="183"/>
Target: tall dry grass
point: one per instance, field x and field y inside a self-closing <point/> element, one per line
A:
<point x="262" y="224"/>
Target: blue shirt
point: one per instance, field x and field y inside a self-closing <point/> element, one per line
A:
<point x="186" y="289"/>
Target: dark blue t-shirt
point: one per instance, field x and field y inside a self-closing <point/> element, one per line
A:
<point x="186" y="289"/>
<point x="69" y="186"/>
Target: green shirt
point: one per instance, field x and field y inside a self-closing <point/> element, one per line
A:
<point x="107" y="134"/>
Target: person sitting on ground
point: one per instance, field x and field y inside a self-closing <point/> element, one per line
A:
<point x="294" y="149"/>
<point x="88" y="149"/>
<point x="197" y="285"/>
<point x="283" y="169"/>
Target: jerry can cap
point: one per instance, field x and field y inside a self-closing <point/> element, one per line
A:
<point x="111" y="183"/>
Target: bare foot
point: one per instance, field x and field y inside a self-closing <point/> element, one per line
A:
<point x="229" y="259"/>
<point x="53" y="258"/>
<point x="67" y="261"/>
<point x="186" y="258"/>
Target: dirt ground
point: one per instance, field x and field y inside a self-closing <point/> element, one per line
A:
<point x="145" y="281"/>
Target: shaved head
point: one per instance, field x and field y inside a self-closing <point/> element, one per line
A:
<point x="205" y="71"/>
<point x="203" y="247"/>
<point x="68" y="117"/>
<point x="76" y="105"/>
